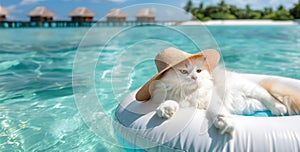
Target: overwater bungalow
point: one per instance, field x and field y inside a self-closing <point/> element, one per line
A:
<point x="116" y="15"/>
<point x="3" y="13"/>
<point x="41" y="14"/>
<point x="82" y="14"/>
<point x="145" y="15"/>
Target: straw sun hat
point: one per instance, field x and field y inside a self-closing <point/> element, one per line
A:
<point x="170" y="57"/>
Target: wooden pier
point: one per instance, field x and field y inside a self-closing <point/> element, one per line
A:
<point x="62" y="24"/>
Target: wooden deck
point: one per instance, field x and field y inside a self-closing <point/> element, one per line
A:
<point x="61" y="24"/>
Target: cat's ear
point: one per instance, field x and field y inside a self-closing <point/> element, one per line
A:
<point x="208" y="67"/>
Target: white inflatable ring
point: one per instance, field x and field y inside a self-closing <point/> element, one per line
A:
<point x="139" y="125"/>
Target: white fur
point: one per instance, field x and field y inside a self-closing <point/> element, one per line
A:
<point x="172" y="88"/>
<point x="242" y="96"/>
<point x="167" y="109"/>
<point x="239" y="95"/>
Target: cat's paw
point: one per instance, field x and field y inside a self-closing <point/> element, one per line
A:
<point x="225" y="124"/>
<point x="167" y="109"/>
<point x="279" y="109"/>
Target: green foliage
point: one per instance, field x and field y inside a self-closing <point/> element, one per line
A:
<point x="267" y="11"/>
<point x="255" y="15"/>
<point x="201" y="17"/>
<point x="222" y="16"/>
<point x="269" y="16"/>
<point x="223" y="11"/>
<point x="295" y="11"/>
<point x="282" y="15"/>
<point x="189" y="6"/>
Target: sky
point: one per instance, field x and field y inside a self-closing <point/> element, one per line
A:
<point x="167" y="9"/>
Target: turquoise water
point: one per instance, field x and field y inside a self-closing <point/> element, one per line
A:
<point x="38" y="111"/>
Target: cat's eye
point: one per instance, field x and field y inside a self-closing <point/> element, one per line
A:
<point x="198" y="70"/>
<point x="183" y="71"/>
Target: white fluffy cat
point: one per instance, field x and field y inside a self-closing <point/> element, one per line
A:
<point x="191" y="84"/>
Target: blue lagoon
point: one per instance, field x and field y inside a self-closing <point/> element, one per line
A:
<point x="38" y="111"/>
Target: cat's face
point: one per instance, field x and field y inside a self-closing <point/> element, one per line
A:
<point x="190" y="72"/>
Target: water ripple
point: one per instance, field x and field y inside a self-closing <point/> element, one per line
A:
<point x="37" y="108"/>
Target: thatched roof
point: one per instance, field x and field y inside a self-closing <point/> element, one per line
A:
<point x="41" y="11"/>
<point x="83" y="12"/>
<point x="145" y="13"/>
<point x="3" y="11"/>
<point x="115" y="13"/>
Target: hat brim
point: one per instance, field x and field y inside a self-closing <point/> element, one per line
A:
<point x="212" y="60"/>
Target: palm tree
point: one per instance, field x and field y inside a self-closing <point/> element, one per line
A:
<point x="189" y="6"/>
<point x="201" y="8"/>
<point x="268" y="10"/>
<point x="224" y="8"/>
<point x="248" y="11"/>
<point x="282" y="14"/>
<point x="295" y="11"/>
<point x="225" y="11"/>
<point x="281" y="7"/>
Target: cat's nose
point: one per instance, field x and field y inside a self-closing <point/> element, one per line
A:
<point x="194" y="77"/>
